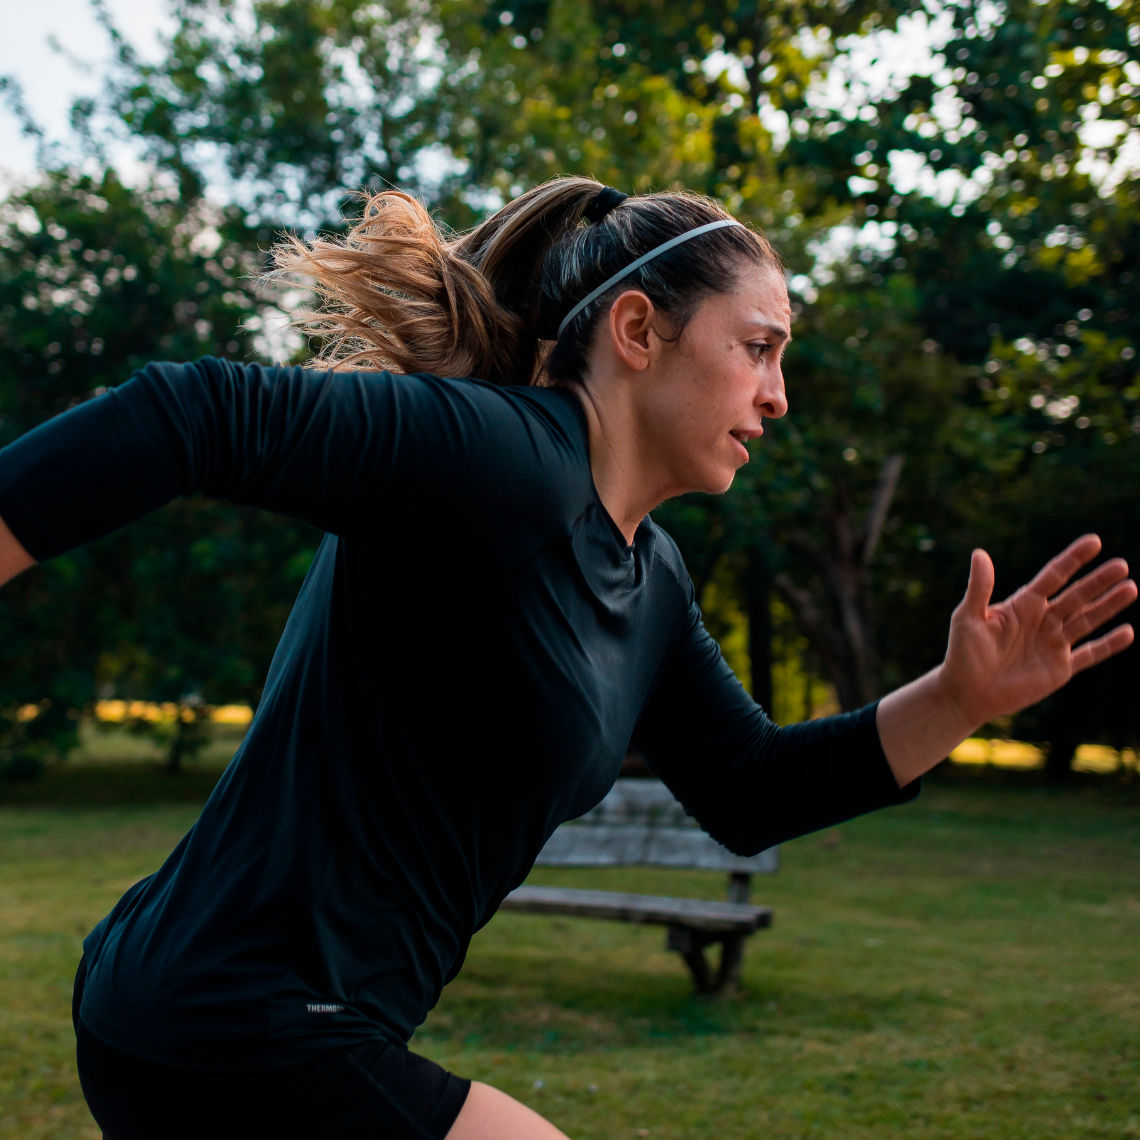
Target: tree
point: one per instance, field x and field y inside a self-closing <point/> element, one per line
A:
<point x="1035" y="284"/>
<point x="283" y="107"/>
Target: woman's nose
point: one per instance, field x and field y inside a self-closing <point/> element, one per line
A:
<point x="771" y="400"/>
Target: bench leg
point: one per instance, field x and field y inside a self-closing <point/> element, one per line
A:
<point x="691" y="944"/>
<point x="731" y="958"/>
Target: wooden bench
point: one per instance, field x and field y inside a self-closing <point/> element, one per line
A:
<point x="640" y="823"/>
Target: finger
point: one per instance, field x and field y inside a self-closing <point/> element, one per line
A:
<point x="1089" y="588"/>
<point x="1106" y="607"/>
<point x="1057" y="571"/>
<point x="980" y="587"/>
<point x="1094" y="652"/>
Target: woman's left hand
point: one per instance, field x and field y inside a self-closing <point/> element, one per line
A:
<point x="1002" y="658"/>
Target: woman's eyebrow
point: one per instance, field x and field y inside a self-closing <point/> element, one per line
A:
<point x="776" y="331"/>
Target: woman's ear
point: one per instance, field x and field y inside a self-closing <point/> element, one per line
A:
<point x="631" y="327"/>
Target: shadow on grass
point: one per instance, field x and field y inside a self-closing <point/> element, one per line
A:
<point x="566" y="989"/>
<point x="113" y="784"/>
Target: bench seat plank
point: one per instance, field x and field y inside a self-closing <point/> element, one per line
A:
<point x="699" y="914"/>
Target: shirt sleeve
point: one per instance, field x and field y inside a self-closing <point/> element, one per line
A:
<point x="351" y="452"/>
<point x="748" y="782"/>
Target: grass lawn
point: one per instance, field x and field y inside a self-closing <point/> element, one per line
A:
<point x="965" y="966"/>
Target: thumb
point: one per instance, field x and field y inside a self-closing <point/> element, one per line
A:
<point x="980" y="587"/>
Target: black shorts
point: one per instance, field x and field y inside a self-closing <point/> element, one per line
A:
<point x="376" y="1090"/>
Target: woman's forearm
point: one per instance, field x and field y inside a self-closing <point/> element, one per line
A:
<point x="919" y="725"/>
<point x="13" y="557"/>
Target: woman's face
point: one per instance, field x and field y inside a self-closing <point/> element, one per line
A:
<point x="707" y="394"/>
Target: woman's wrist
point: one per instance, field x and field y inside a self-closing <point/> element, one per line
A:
<point x="921" y="724"/>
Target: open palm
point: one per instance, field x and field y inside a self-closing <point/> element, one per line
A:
<point x="1002" y="658"/>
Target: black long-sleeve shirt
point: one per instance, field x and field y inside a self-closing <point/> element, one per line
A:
<point x="472" y="652"/>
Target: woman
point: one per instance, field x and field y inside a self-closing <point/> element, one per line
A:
<point x="266" y="979"/>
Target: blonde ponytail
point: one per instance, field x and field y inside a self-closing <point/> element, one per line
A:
<point x="397" y="295"/>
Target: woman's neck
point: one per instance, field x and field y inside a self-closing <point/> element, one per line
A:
<point x="623" y="487"/>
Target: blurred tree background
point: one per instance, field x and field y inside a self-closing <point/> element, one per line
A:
<point x="953" y="189"/>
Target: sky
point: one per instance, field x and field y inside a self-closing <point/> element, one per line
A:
<point x="50" y="80"/>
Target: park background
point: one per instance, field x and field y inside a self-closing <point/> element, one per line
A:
<point x="953" y="188"/>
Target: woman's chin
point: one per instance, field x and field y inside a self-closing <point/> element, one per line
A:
<point x="719" y="483"/>
<point x="707" y="481"/>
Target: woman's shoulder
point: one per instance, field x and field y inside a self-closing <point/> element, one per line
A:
<point x="512" y="462"/>
<point x="509" y="433"/>
<point x="549" y="417"/>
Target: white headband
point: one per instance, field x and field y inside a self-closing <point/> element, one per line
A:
<point x="611" y="281"/>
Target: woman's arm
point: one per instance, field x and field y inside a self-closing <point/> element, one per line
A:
<point x="1003" y="658"/>
<point x="14" y="559"/>
<point x="749" y="782"/>
<point x="285" y="439"/>
<point x="386" y="458"/>
<point x="752" y="784"/>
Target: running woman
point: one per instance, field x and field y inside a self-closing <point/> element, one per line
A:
<point x="482" y="441"/>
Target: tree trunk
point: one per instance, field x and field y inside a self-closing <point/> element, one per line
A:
<point x="760" y="628"/>
<point x="842" y="635"/>
<point x="191" y="734"/>
<point x="1059" y="757"/>
<point x="839" y="619"/>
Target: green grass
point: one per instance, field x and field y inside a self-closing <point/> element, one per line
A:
<point x="962" y="967"/>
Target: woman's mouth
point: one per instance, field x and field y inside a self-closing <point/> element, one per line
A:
<point x="741" y="439"/>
